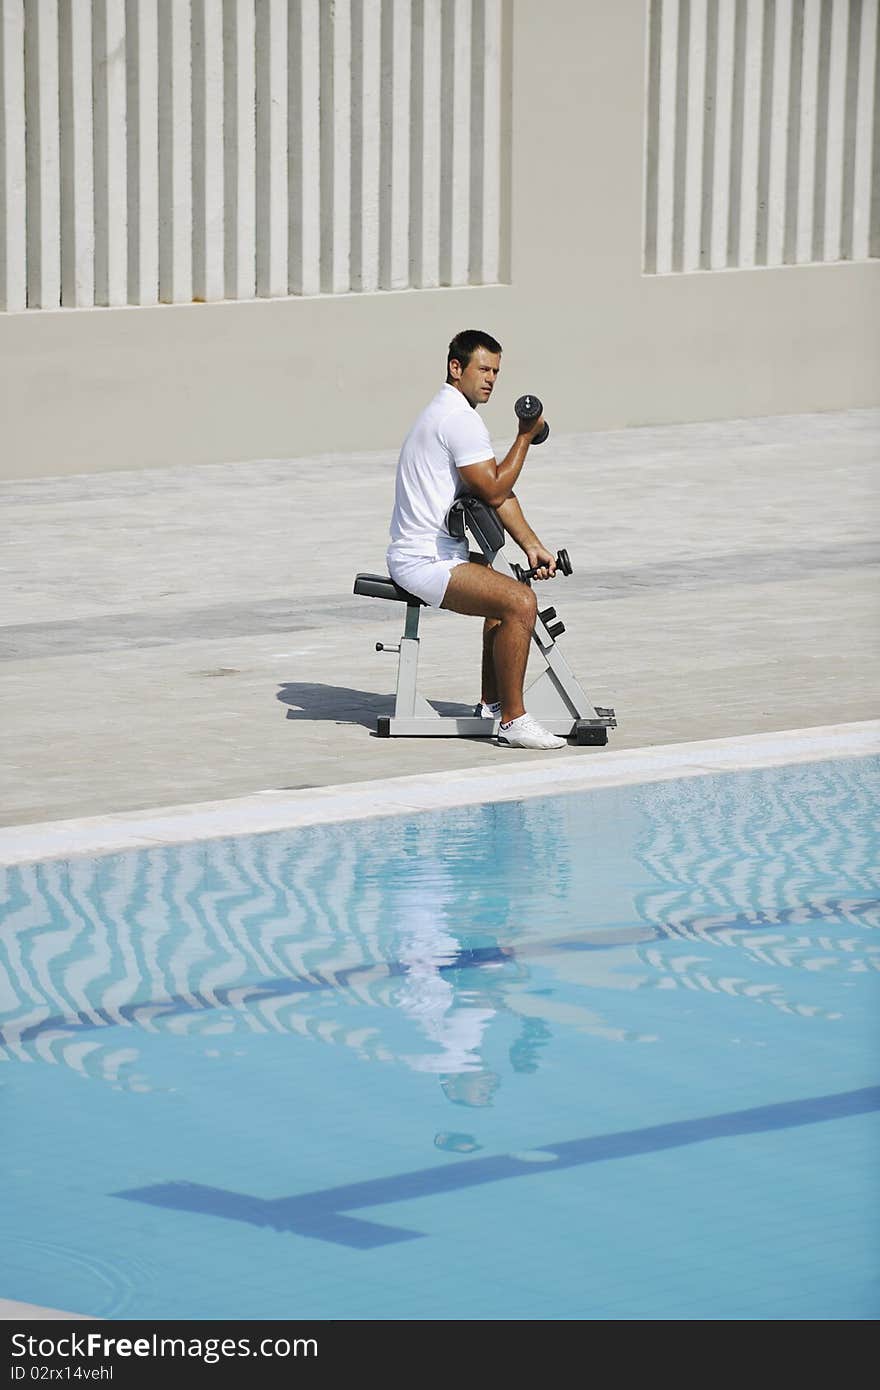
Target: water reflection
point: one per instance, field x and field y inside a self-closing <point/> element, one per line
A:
<point x="336" y="934"/>
<point x="459" y="945"/>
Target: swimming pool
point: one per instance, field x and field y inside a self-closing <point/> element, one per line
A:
<point x="606" y="1055"/>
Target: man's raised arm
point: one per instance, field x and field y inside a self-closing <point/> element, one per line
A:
<point x="494" y="482"/>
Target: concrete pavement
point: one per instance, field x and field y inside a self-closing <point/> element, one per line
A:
<point x="190" y="634"/>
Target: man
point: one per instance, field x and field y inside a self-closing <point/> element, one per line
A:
<point x="446" y="453"/>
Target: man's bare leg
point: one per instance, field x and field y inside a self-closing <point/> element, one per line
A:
<point x="489" y="686"/>
<point x="481" y="592"/>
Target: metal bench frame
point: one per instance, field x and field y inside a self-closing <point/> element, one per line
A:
<point x="555" y="697"/>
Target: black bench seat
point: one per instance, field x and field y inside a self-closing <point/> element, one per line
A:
<point x="383" y="586"/>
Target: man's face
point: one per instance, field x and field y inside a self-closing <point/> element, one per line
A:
<point x="476" y="380"/>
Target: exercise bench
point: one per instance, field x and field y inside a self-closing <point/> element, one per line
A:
<point x="555" y="698"/>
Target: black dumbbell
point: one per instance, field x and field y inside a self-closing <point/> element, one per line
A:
<point x="563" y="566"/>
<point x="529" y="408"/>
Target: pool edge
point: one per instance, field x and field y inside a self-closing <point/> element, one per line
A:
<point x="262" y="812"/>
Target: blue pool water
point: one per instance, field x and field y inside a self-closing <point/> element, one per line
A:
<point x="607" y="1055"/>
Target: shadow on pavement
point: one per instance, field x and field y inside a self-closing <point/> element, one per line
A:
<point x="311" y="700"/>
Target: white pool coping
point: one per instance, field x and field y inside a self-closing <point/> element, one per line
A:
<point x="547" y="775"/>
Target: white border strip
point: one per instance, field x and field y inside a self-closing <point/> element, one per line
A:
<point x="271" y="810"/>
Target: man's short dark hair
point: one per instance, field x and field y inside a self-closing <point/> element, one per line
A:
<point x="465" y="344"/>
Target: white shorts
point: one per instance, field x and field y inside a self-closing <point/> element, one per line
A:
<point x="426" y="576"/>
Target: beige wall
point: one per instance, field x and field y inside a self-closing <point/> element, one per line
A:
<point x="603" y="344"/>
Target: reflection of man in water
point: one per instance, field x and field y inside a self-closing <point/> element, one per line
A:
<point x="456" y="978"/>
<point x="476" y="1089"/>
<point x="452" y="992"/>
<point x="472" y="1088"/>
<point x="454" y="1024"/>
<point x="453" y="1021"/>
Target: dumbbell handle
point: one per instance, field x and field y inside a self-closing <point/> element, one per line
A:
<point x="563" y="566"/>
<point x="529" y="408"/>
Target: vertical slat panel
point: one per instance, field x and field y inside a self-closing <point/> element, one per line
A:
<point x="708" y="170"/>
<point x="111" y="198"/>
<point x="807" y="160"/>
<point x="696" y="111"/>
<point x="751" y="132"/>
<point x="652" y="120"/>
<point x="866" y="156"/>
<point x="335" y="146"/>
<point x="506" y="141"/>
<point x="486" y="166"/>
<point x="208" y="154"/>
<point x="366" y="59"/>
<point x="834" y="148"/>
<point x="42" y="155"/>
<point x="272" y="192"/>
<point x="682" y="76"/>
<point x="239" y="138"/>
<point x="874" y="216"/>
<point x="820" y="163"/>
<point x="76" y="155"/>
<point x="768" y="58"/>
<point x="142" y="146"/>
<point x="667" y="134"/>
<point x="408" y="138"/>
<point x="475" y="191"/>
<point x="305" y="142"/>
<point x="761" y="121"/>
<point x="493" y="141"/>
<point x="172" y="149"/>
<point x="792" y="165"/>
<point x="736" y="132"/>
<point x="13" y="178"/>
<point x="847" y="193"/>
<point x="425" y="168"/>
<point x="723" y="120"/>
<point x="394" y="153"/>
<point x="175" y="151"/>
<point x="778" y="192"/>
<point x="455" y="150"/>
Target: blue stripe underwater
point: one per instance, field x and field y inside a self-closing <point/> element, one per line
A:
<point x="322" y="1215"/>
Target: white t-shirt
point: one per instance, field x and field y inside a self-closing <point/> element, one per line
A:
<point x="448" y="435"/>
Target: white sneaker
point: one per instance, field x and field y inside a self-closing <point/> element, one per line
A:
<point x="526" y="732"/>
<point x="484" y="711"/>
